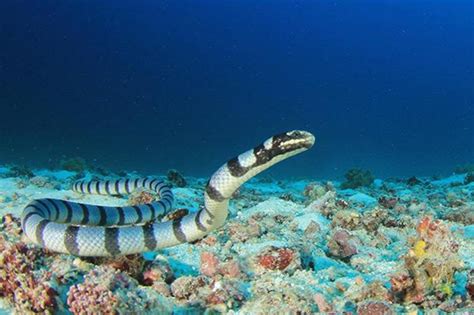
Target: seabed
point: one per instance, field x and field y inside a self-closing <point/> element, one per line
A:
<point x="289" y="246"/>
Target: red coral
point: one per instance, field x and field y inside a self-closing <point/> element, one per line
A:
<point x="276" y="259"/>
<point x="423" y="225"/>
<point x="470" y="290"/>
<point x="427" y="228"/>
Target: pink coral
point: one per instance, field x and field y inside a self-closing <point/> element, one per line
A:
<point x="91" y="299"/>
<point x="211" y="266"/>
<point x="28" y="290"/>
<point x="107" y="291"/>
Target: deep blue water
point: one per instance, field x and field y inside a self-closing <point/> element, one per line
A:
<point x="152" y="85"/>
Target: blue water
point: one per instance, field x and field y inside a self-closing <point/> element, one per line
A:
<point x="152" y="85"/>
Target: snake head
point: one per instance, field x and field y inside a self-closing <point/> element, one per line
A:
<point x="290" y="141"/>
<point x="282" y="146"/>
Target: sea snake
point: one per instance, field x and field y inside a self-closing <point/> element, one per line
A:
<point x="90" y="230"/>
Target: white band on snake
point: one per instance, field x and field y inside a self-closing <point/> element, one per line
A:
<point x="90" y="230"/>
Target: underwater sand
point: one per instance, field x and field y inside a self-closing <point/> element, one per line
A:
<point x="287" y="247"/>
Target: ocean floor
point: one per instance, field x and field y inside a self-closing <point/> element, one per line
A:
<point x="299" y="247"/>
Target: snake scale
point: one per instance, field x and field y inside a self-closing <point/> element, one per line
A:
<point x="90" y="230"/>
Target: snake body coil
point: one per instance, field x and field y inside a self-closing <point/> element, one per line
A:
<point x="91" y="230"/>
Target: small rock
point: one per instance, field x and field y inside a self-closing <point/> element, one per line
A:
<point x="341" y="244"/>
<point x="176" y="178"/>
<point x="388" y="202"/>
<point x="273" y="258"/>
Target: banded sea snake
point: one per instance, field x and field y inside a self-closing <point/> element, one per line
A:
<point x="90" y="230"/>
